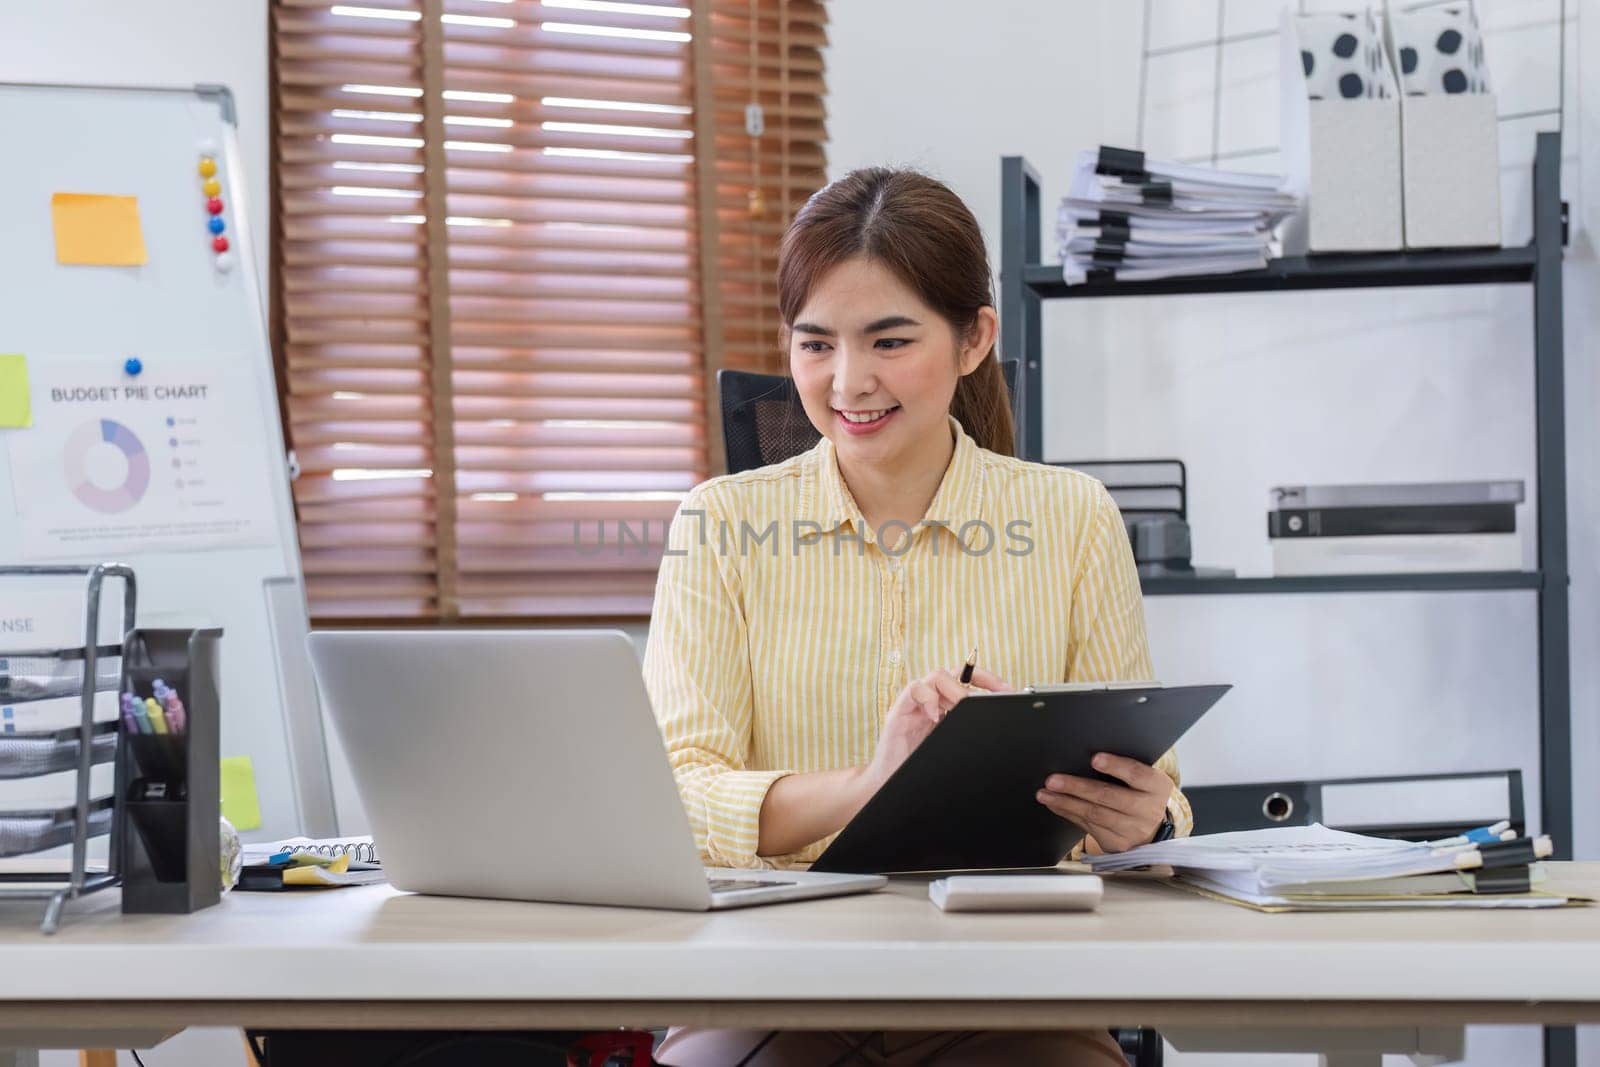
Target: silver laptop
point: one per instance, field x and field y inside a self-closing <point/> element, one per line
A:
<point x="525" y="765"/>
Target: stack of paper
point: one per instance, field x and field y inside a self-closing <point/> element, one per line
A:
<point x="1313" y="868"/>
<point x="1130" y="218"/>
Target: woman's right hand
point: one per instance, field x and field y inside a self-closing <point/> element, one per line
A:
<point x="920" y="707"/>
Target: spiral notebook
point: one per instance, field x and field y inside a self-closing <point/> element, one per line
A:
<point x="361" y="850"/>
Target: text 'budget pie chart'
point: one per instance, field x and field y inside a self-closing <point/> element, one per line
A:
<point x="86" y="455"/>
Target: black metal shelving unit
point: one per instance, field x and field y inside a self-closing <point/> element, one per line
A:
<point x="1344" y="583"/>
<point x="1025" y="282"/>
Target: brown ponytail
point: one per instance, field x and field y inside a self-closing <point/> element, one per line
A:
<point x="982" y="405"/>
<point x="919" y="229"/>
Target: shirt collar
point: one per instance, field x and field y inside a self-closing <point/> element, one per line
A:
<point x="826" y="500"/>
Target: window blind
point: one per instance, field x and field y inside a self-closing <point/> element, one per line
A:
<point x="492" y="230"/>
<point x="770" y="54"/>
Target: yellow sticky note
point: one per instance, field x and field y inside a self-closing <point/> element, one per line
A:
<point x="316" y="874"/>
<point x="239" y="803"/>
<point x="97" y="231"/>
<point x="14" y="409"/>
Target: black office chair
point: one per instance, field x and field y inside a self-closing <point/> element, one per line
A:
<point x="763" y="422"/>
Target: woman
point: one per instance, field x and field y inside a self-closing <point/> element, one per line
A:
<point x="810" y="615"/>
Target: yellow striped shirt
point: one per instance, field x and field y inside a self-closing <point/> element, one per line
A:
<point x="782" y="631"/>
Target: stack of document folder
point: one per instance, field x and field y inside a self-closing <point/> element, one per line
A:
<point x="1130" y="218"/>
<point x="1313" y="868"/>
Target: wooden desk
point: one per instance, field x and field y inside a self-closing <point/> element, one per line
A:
<point x="374" y="958"/>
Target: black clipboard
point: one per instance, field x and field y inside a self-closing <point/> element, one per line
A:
<point x="964" y="800"/>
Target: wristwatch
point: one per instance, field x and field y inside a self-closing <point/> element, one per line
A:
<point x="1166" y="831"/>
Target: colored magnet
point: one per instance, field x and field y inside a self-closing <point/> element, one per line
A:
<point x="215" y="224"/>
<point x="208" y="167"/>
<point x="219" y="244"/>
<point x="133" y="366"/>
<point x="225" y="262"/>
<point x="214" y="205"/>
<point x="211" y="187"/>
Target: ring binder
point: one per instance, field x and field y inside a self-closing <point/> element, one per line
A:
<point x="1421" y="809"/>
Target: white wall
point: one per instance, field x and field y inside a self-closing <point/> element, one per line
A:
<point x="1254" y="391"/>
<point x="949" y="87"/>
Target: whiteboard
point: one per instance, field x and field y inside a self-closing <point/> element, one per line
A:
<point x="187" y="322"/>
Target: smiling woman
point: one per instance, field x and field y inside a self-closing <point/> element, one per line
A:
<point x="915" y="243"/>
<point x="791" y="685"/>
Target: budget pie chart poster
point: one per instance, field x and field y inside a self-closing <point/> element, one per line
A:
<point x="118" y="465"/>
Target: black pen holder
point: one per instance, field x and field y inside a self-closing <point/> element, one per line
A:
<point x="169" y="789"/>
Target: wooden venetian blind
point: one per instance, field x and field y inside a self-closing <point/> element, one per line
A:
<point x="497" y="314"/>
<point x="770" y="54"/>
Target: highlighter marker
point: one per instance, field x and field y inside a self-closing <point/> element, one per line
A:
<point x="177" y="716"/>
<point x="1500" y="831"/>
<point x="158" y="720"/>
<point x="140" y="714"/>
<point x="130" y="720"/>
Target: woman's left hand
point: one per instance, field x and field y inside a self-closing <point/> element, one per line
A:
<point x="1117" y="817"/>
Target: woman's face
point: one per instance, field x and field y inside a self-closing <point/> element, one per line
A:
<point x="875" y="367"/>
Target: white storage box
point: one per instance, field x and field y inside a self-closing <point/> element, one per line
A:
<point x="1449" y="129"/>
<point x="1340" y="134"/>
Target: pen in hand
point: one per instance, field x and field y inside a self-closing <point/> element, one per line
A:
<point x="966" y="670"/>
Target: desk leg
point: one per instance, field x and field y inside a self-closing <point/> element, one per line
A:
<point x="1560" y="1046"/>
<point x="19" y="1057"/>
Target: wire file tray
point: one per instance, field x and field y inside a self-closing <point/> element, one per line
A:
<point x="53" y="673"/>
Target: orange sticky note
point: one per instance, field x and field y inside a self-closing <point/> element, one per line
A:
<point x="97" y="231"/>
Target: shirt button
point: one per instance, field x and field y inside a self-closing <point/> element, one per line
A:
<point x="894" y="655"/>
<point x="894" y="566"/>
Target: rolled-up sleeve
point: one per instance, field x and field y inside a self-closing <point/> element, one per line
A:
<point x="1109" y="643"/>
<point x="697" y="671"/>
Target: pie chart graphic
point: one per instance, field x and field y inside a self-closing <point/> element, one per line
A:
<point x="80" y="455"/>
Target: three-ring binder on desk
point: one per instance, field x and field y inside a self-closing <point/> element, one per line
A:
<point x="169" y="788"/>
<point x="38" y="676"/>
<point x="1414" y="807"/>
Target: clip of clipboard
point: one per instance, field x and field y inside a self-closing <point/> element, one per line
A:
<point x="965" y="798"/>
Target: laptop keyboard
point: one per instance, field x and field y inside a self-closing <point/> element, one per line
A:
<point x="732" y="885"/>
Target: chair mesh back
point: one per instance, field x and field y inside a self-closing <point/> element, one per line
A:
<point x="763" y="421"/>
